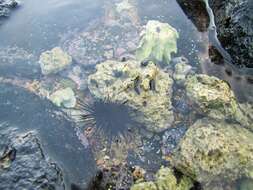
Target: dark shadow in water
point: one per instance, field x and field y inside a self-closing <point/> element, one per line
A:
<point x="57" y="134"/>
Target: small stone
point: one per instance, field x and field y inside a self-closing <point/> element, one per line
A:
<point x="181" y="70"/>
<point x="64" y="97"/>
<point x="54" y="61"/>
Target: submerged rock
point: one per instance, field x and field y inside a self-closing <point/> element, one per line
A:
<point x="234" y="20"/>
<point x="100" y="42"/>
<point x="145" y="88"/>
<point x="165" y="180"/>
<point x="6" y="6"/>
<point x="116" y="177"/>
<point x="116" y="36"/>
<point x="64" y="97"/>
<point x="246" y="184"/>
<point x="215" y="152"/>
<point x="54" y="61"/>
<point x="17" y="62"/>
<point x="182" y="69"/>
<point x="23" y="164"/>
<point x="158" y="42"/>
<point x="58" y="135"/>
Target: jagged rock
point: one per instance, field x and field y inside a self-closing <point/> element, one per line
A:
<point x="234" y="20"/>
<point x="211" y="94"/>
<point x="23" y="164"/>
<point x="54" y="61"/>
<point x="158" y="42"/>
<point x="215" y="152"/>
<point x="165" y="180"/>
<point x="64" y="97"/>
<point x="145" y="88"/>
<point x="214" y="97"/>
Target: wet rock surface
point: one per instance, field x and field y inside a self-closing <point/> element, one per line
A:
<point x="23" y="164"/>
<point x="234" y="21"/>
<point x="196" y="12"/>
<point x="215" y="152"/>
<point x="57" y="134"/>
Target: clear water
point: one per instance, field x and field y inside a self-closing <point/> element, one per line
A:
<point x="37" y="26"/>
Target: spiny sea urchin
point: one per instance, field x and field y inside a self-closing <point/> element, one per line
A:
<point x="113" y="118"/>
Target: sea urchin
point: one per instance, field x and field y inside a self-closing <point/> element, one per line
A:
<point x="113" y="118"/>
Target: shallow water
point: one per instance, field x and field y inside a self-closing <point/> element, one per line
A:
<point x="37" y="26"/>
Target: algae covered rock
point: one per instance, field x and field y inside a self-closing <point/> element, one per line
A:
<point x="64" y="97"/>
<point x="215" y="151"/>
<point x="54" y="61"/>
<point x="165" y="180"/>
<point x="182" y="68"/>
<point x="158" y="41"/>
<point x="211" y="95"/>
<point x="214" y="97"/>
<point x="145" y="88"/>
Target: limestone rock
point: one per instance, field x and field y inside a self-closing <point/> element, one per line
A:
<point x="64" y="97"/>
<point x="158" y="41"/>
<point x="54" y="61"/>
<point x="214" y="151"/>
<point x="145" y="88"/>
<point x="213" y="97"/>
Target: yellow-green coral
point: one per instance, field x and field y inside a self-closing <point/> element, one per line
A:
<point x="165" y="180"/>
<point x="146" y="89"/>
<point x="215" y="151"/>
<point x="158" y="41"/>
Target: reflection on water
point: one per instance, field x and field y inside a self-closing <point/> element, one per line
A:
<point x="37" y="25"/>
<point x="93" y="32"/>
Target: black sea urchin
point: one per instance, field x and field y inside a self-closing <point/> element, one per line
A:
<point x="113" y="118"/>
